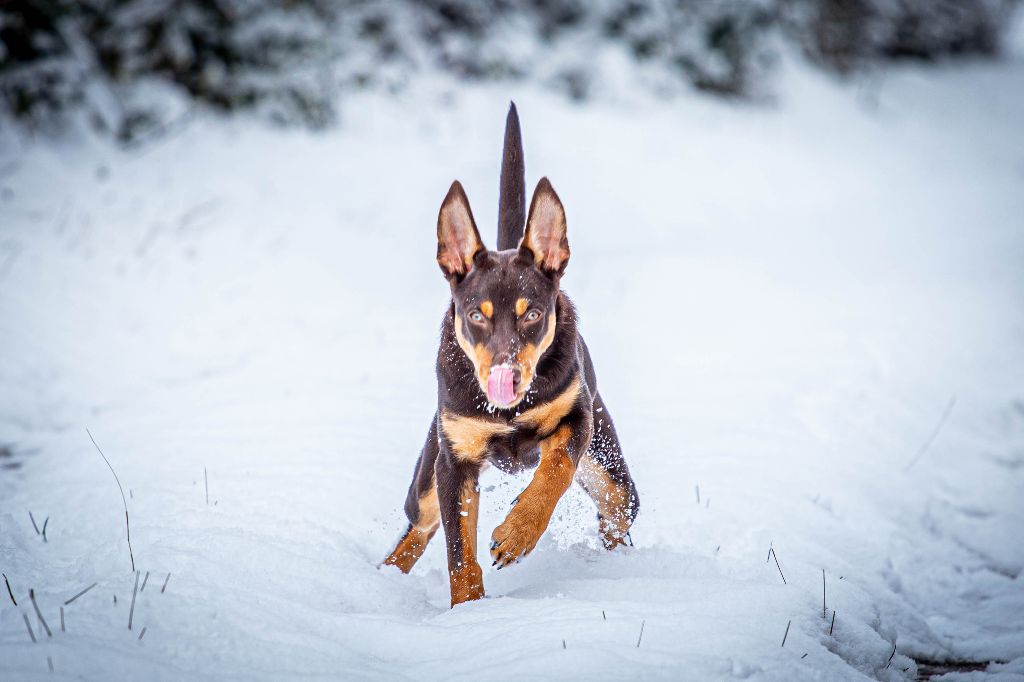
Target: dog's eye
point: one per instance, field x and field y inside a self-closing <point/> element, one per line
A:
<point x="532" y="316"/>
<point x="476" y="316"/>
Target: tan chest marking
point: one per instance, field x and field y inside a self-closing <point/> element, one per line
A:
<point x="545" y="418"/>
<point x="469" y="436"/>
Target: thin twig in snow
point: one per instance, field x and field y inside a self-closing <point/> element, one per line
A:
<point x="165" y="583"/>
<point x="563" y="644"/>
<point x="891" y="655"/>
<point x="603" y="616"/>
<point x="823" y="613"/>
<point x="933" y="436"/>
<point x="144" y="581"/>
<point x="803" y="657"/>
<point x="80" y="594"/>
<point x="49" y="662"/>
<point x="143" y="634"/>
<point x="696" y="489"/>
<point x="9" y="591"/>
<point x="206" y="484"/>
<point x="131" y="611"/>
<point x="127" y="527"/>
<point x="642" y="623"/>
<point x="787" y="633"/>
<point x="45" y="521"/>
<point x="831" y="627"/>
<point x="62" y="620"/>
<point x="769" y="557"/>
<point x="33" y="522"/>
<point x="39" y="614"/>
<point x="28" y="626"/>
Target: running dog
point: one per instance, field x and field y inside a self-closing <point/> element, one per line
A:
<point x="515" y="385"/>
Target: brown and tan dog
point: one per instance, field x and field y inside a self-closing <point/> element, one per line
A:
<point x="516" y="388"/>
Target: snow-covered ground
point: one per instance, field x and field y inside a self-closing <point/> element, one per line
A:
<point x="783" y="302"/>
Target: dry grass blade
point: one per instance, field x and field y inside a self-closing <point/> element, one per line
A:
<point x="127" y="527"/>
<point x="144" y="581"/>
<point x="80" y="594"/>
<point x="28" y="626"/>
<point x="642" y="623"/>
<point x="62" y="620"/>
<point x="933" y="436"/>
<point x="9" y="591"/>
<point x="832" y="627"/>
<point x="131" y="611"/>
<point x="34" y="522"/>
<point x="39" y="614"/>
<point x="165" y="583"/>
<point x="887" y="663"/>
<point x="776" y="556"/>
<point x="142" y="634"/>
<point x="786" y="634"/>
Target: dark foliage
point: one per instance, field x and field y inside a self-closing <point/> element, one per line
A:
<point x="124" y="61"/>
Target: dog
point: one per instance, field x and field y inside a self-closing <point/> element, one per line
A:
<point x="516" y="388"/>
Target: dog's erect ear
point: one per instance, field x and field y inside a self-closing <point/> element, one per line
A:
<point x="457" y="238"/>
<point x="545" y="230"/>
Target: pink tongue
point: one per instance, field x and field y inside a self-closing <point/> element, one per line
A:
<point x="499" y="386"/>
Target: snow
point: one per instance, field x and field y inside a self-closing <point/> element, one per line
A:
<point x="782" y="302"/>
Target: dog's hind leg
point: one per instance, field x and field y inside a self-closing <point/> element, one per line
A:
<point x="603" y="474"/>
<point x="421" y="507"/>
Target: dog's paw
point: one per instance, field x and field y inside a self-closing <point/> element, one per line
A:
<point x="614" y="532"/>
<point x="467" y="583"/>
<point x="516" y="536"/>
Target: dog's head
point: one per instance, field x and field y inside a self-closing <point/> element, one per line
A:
<point x="504" y="300"/>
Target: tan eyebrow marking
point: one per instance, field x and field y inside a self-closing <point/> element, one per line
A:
<point x="521" y="305"/>
<point x="487" y="308"/>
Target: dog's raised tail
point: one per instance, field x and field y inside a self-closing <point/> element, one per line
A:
<point x="512" y="197"/>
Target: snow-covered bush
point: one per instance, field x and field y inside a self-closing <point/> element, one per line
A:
<point x="845" y="34"/>
<point x="136" y="65"/>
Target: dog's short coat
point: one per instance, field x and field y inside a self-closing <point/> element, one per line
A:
<point x="516" y="388"/>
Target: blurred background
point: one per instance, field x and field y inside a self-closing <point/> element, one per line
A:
<point x="797" y="233"/>
<point x="137" y="66"/>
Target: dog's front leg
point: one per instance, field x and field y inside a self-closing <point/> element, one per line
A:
<point x="529" y="518"/>
<point x="458" y="494"/>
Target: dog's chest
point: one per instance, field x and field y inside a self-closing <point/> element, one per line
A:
<point x="516" y="451"/>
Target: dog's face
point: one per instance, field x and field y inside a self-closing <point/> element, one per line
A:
<point x="505" y="301"/>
